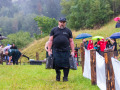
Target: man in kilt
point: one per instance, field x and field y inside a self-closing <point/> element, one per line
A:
<point x="60" y="41"/>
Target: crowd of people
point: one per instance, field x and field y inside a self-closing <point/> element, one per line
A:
<point x="11" y="53"/>
<point x="101" y="45"/>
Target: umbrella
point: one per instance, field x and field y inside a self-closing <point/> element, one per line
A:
<point x="83" y="35"/>
<point x="2" y="37"/>
<point x="96" y="37"/>
<point x="117" y="18"/>
<point x="115" y="35"/>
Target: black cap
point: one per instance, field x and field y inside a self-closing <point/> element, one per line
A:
<point x="62" y="19"/>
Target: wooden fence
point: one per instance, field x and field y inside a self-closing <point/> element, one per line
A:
<point x="110" y="78"/>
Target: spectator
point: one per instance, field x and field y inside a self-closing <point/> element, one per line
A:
<point x="90" y="45"/>
<point x="46" y="48"/>
<point x="85" y="43"/>
<point x="1" y="49"/>
<point x="95" y="46"/>
<point x="14" y="55"/>
<point x="114" y="43"/>
<point x="102" y="45"/>
<point x="13" y="46"/>
<point x="6" y="48"/>
<point x="61" y="40"/>
<point x="117" y="24"/>
<point x="98" y="46"/>
<point x="109" y="45"/>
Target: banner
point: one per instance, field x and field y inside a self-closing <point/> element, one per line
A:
<point x="87" y="66"/>
<point x="100" y="71"/>
<point x="116" y="69"/>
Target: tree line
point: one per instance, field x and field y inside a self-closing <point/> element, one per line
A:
<point x="89" y="13"/>
<point x="17" y="19"/>
<point x="19" y="15"/>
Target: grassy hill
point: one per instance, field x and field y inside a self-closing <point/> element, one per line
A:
<point x="38" y="45"/>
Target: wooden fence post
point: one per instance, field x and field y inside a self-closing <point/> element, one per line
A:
<point x="1" y="57"/>
<point x="37" y="56"/>
<point x="110" y="82"/>
<point x="93" y="66"/>
<point x="82" y="53"/>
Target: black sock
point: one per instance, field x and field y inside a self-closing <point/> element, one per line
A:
<point x="66" y="72"/>
<point x="58" y="74"/>
<point x="57" y="71"/>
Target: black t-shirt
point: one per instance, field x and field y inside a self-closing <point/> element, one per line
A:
<point x="115" y="44"/>
<point x="108" y="45"/>
<point x="61" y="38"/>
<point x="15" y="53"/>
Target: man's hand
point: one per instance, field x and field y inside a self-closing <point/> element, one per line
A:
<point x="9" y="63"/>
<point x="108" y="38"/>
<point x="72" y="53"/>
<point x="49" y="53"/>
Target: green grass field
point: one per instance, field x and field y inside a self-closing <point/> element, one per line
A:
<point x="36" y="77"/>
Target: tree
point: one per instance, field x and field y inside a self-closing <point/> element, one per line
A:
<point x="86" y="13"/>
<point x="53" y="9"/>
<point x="46" y="23"/>
<point x="20" y="39"/>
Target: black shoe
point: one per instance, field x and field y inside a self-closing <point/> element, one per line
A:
<point x="58" y="77"/>
<point x="65" y="79"/>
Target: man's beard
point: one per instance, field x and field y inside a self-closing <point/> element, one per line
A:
<point x="62" y="27"/>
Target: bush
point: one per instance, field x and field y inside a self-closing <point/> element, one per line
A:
<point x="20" y="39"/>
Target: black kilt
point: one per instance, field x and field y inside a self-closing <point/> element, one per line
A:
<point x="61" y="59"/>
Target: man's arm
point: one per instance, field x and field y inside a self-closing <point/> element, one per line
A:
<point x="113" y="48"/>
<point x="72" y="46"/>
<point x="111" y="40"/>
<point x="50" y="45"/>
<point x="46" y="46"/>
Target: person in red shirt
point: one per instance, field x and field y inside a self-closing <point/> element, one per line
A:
<point x="102" y="45"/>
<point x="90" y="45"/>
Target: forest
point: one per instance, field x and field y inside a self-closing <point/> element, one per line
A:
<point x="38" y="17"/>
<point x="20" y="14"/>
